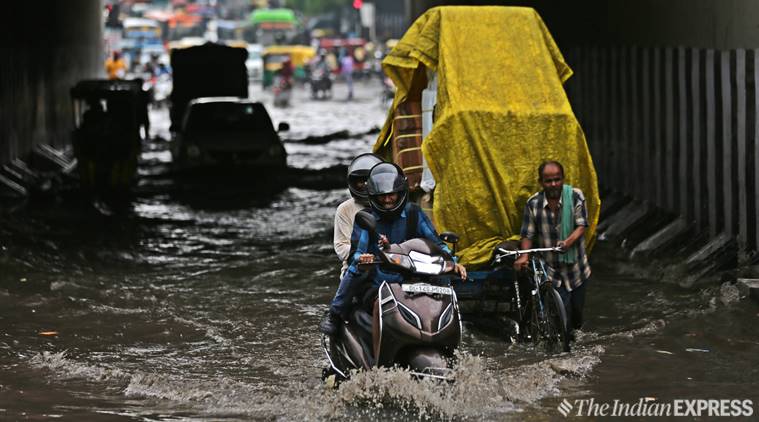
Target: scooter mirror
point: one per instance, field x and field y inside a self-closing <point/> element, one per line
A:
<point x="366" y="221"/>
<point x="449" y="237"/>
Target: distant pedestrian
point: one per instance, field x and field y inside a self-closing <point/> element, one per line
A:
<point x="558" y="216"/>
<point x="346" y="69"/>
<point x="115" y="66"/>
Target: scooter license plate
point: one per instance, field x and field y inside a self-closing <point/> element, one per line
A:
<point x="427" y="288"/>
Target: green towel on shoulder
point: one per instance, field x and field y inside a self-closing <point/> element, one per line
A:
<point x="567" y="224"/>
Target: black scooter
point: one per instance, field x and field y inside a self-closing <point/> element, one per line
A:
<point x="414" y="324"/>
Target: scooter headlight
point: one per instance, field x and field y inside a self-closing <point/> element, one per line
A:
<point x="427" y="264"/>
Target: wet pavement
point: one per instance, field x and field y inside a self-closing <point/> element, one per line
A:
<point x="206" y="307"/>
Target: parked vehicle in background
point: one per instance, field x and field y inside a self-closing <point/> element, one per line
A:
<point x="147" y="31"/>
<point x="208" y="70"/>
<point x="276" y="55"/>
<point x="255" y="63"/>
<point x="355" y="47"/>
<point x="228" y="137"/>
<point x="140" y="38"/>
<point x="228" y="30"/>
<point x="273" y="26"/>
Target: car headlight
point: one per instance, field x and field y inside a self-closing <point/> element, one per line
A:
<point x="193" y="151"/>
<point x="274" y="150"/>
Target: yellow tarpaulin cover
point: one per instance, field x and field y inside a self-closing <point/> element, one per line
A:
<point x="501" y="111"/>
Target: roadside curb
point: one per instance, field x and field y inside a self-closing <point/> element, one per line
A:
<point x="673" y="248"/>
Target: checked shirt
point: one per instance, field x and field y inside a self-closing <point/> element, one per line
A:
<point x="543" y="228"/>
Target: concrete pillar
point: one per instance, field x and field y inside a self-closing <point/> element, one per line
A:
<point x="45" y="47"/>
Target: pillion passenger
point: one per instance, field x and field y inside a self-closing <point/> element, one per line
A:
<point x="558" y="216"/>
<point x="358" y="172"/>
<point x="397" y="221"/>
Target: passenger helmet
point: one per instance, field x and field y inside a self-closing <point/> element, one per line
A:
<point x="358" y="171"/>
<point x="387" y="178"/>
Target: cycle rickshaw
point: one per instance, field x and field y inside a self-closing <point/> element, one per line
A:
<point x="470" y="123"/>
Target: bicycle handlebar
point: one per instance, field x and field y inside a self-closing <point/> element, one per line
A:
<point x="506" y="253"/>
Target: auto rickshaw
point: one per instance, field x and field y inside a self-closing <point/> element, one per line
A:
<point x="106" y="138"/>
<point x="275" y="55"/>
<point x="356" y="47"/>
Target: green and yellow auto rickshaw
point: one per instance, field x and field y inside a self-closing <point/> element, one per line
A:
<point x="274" y="56"/>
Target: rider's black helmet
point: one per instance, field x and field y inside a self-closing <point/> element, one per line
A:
<point x="358" y="171"/>
<point x="387" y="178"/>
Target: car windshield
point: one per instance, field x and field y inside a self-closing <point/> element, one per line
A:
<point x="232" y="117"/>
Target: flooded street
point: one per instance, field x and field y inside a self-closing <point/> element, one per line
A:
<point x="206" y="308"/>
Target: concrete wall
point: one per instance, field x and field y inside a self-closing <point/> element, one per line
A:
<point x="720" y="24"/>
<point x="676" y="127"/>
<point x="45" y="47"/>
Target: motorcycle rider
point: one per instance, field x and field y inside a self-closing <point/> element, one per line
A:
<point x="115" y="66"/>
<point x="397" y="221"/>
<point x="358" y="172"/>
<point x="321" y="62"/>
<point x="286" y="72"/>
<point x="320" y="75"/>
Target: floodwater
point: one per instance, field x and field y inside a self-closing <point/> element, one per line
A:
<point x="206" y="308"/>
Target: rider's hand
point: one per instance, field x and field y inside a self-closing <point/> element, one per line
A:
<point x="383" y="241"/>
<point x="562" y="245"/>
<point x="520" y="263"/>
<point x="461" y="271"/>
<point x="366" y="258"/>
